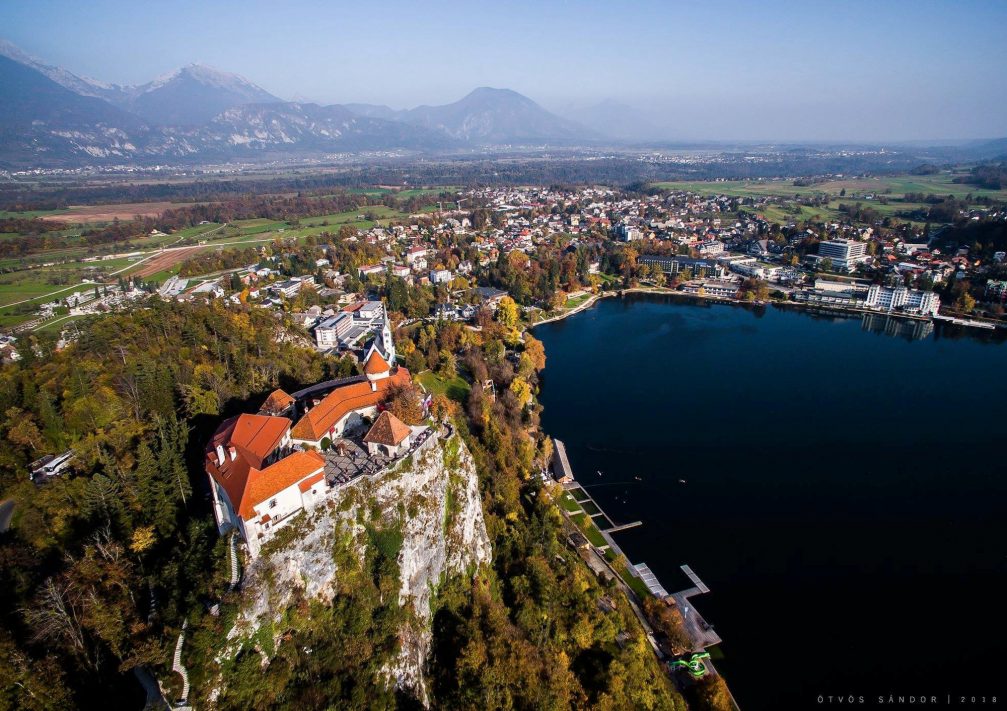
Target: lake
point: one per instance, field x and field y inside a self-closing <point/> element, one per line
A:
<point x="845" y="494"/>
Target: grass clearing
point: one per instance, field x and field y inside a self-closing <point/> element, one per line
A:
<point x="635" y="583"/>
<point x="29" y="214"/>
<point x="576" y="301"/>
<point x="586" y="525"/>
<point x="569" y="503"/>
<point x="455" y="388"/>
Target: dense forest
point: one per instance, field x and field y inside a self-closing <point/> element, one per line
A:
<point x="991" y="176"/>
<point x="103" y="564"/>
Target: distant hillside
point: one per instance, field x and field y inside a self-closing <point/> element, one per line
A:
<point x="63" y="77"/>
<point x="44" y="122"/>
<point x="499" y="116"/>
<point x="308" y="127"/>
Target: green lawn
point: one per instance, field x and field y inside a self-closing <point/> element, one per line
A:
<point x="456" y="388"/>
<point x="635" y="583"/>
<point x="568" y="503"/>
<point x="585" y="524"/>
<point x="28" y="214"/>
<point x="576" y="301"/>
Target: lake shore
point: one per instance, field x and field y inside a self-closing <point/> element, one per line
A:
<point x="795" y="305"/>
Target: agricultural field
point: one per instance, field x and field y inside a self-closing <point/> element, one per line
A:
<point x="164" y="261"/>
<point x="893" y="187"/>
<point x="857" y="190"/>
<point x="91" y="214"/>
<point x="28" y="214"/>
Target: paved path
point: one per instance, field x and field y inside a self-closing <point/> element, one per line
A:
<point x="6" y="512"/>
<point x="176" y="665"/>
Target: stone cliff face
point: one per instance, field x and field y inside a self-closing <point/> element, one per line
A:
<point x="432" y="499"/>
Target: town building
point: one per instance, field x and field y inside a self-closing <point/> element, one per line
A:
<point x="711" y="248"/>
<point x="900" y="298"/>
<point x="389" y="436"/>
<point x="845" y="254"/>
<point x="996" y="290"/>
<point x="288" y="288"/>
<point x="711" y="287"/>
<point x="672" y="265"/>
<point x="330" y="331"/>
<point x="440" y="276"/>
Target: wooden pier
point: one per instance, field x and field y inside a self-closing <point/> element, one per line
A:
<point x="695" y="579"/>
<point x="972" y="323"/>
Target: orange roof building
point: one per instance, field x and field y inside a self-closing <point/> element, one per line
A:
<point x="331" y="415"/>
<point x="278" y="403"/>
<point x="388" y="435"/>
<point x="376" y="364"/>
<point x="260" y="481"/>
<point x="256" y="490"/>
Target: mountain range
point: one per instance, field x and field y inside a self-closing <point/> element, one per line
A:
<point x="52" y="117"/>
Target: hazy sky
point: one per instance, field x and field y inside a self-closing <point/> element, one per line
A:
<point x="749" y="69"/>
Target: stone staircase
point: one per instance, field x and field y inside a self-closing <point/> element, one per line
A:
<point x="233" y="555"/>
<point x="176" y="666"/>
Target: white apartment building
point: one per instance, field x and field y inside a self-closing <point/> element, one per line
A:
<point x="902" y="299"/>
<point x="711" y="247"/>
<point x="329" y="331"/>
<point x="845" y="254"/>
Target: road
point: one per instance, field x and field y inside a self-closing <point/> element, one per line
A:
<point x="6" y="513"/>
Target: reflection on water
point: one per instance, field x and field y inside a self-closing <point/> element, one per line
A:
<point x="787" y="456"/>
<point x="909" y="329"/>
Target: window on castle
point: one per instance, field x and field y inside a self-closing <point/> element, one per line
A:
<point x="272" y="504"/>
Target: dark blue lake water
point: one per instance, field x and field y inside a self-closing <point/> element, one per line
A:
<point x="845" y="495"/>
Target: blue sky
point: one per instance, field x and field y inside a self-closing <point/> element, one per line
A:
<point x="703" y="70"/>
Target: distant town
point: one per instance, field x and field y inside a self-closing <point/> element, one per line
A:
<point x="592" y="240"/>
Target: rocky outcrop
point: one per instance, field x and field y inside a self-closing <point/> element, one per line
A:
<point x="432" y="498"/>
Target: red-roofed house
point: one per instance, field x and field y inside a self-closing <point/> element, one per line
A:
<point x="278" y="403"/>
<point x="257" y="484"/>
<point x="344" y="406"/>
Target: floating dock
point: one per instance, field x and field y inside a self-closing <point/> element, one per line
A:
<point x="700" y="585"/>
<point x="972" y="323"/>
<point x="650" y="580"/>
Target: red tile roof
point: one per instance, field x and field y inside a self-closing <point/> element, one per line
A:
<point x="376" y="364"/>
<point x="388" y="429"/>
<point x="310" y="481"/>
<point x="278" y="401"/>
<point x="265" y="484"/>
<point x="317" y="422"/>
<point x="258" y="436"/>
